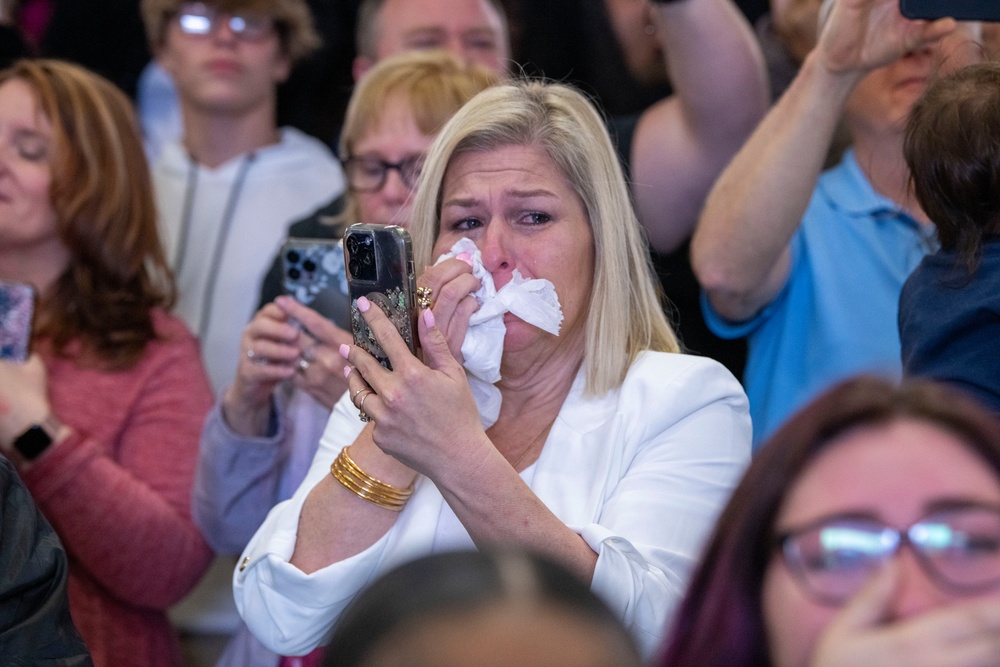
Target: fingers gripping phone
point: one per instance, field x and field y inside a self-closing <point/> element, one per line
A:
<point x="313" y="274"/>
<point x="17" y="306"/>
<point x="962" y="10"/>
<point x="379" y="261"/>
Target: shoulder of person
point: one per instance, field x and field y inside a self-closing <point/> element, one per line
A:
<point x="670" y="383"/>
<point x="296" y="142"/>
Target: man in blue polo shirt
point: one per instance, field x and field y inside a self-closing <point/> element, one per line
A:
<point x="809" y="267"/>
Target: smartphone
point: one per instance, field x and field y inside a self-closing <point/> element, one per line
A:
<point x="379" y="260"/>
<point x="313" y="274"/>
<point x="962" y="10"/>
<point x="17" y="307"/>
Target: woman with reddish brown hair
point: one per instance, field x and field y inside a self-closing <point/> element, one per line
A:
<point x="102" y="419"/>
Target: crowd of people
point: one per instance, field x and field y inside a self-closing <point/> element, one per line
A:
<point x="563" y="466"/>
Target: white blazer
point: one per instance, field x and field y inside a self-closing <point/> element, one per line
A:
<point x="640" y="473"/>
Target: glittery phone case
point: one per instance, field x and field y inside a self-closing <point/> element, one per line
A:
<point x="17" y="306"/>
<point x="379" y="261"/>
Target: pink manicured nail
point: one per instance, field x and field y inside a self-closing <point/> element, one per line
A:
<point x="364" y="304"/>
<point x="345" y="350"/>
<point x="465" y="257"/>
<point x="347" y="369"/>
<point x="429" y="318"/>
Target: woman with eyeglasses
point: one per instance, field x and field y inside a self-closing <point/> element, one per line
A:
<point x="866" y="532"/>
<point x="261" y="437"/>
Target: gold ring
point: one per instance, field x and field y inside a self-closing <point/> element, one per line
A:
<point x="358" y="392"/>
<point x="362" y="415"/>
<point x="424" y="297"/>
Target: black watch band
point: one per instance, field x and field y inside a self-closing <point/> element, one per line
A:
<point x="37" y="439"/>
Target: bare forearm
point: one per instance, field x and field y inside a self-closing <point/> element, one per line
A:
<point x="682" y="143"/>
<point x="497" y="507"/>
<point x="335" y="522"/>
<point x="715" y="64"/>
<point x="740" y="247"/>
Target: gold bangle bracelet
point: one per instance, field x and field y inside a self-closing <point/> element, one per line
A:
<point x="386" y="503"/>
<point x="351" y="469"/>
<point x="366" y="494"/>
<point x="357" y="481"/>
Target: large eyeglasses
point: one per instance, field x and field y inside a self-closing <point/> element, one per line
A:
<point x="367" y="173"/>
<point x="958" y="547"/>
<point x="195" y="18"/>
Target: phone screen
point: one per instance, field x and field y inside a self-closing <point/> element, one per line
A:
<point x="963" y="10"/>
<point x="17" y="306"/>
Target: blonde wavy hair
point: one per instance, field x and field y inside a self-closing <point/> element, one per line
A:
<point x="626" y="314"/>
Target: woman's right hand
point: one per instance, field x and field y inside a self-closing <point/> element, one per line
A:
<point x="452" y="287"/>
<point x="869" y="631"/>
<point x="862" y="35"/>
<point x="269" y="354"/>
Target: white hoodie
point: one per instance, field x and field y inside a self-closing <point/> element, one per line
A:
<point x="239" y="215"/>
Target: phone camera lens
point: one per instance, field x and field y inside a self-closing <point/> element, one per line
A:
<point x="355" y="267"/>
<point x="294" y="273"/>
<point x="352" y="244"/>
<point x="309" y="265"/>
<point x="292" y="257"/>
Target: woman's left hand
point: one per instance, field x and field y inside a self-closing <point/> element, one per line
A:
<point x="424" y="415"/>
<point x="23" y="397"/>
<point x="320" y="367"/>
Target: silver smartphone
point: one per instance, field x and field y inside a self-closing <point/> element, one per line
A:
<point x="379" y="260"/>
<point x="313" y="274"/>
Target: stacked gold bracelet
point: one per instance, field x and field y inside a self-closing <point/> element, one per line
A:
<point x="363" y="485"/>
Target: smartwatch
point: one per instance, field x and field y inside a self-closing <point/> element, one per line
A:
<point x="37" y="438"/>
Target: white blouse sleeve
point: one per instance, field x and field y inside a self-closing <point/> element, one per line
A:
<point x="279" y="602"/>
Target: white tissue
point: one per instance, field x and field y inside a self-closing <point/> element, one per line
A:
<point x="534" y="301"/>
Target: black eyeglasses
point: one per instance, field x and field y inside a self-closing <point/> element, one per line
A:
<point x="196" y="18"/>
<point x="367" y="173"/>
<point x="958" y="547"/>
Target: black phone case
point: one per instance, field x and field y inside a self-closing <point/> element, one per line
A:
<point x="313" y="274"/>
<point x="962" y="10"/>
<point x="17" y="307"/>
<point x="379" y="261"/>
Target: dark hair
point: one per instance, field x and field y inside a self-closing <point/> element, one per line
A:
<point x="102" y="195"/>
<point x="952" y="147"/>
<point x="461" y="582"/>
<point x="720" y="622"/>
